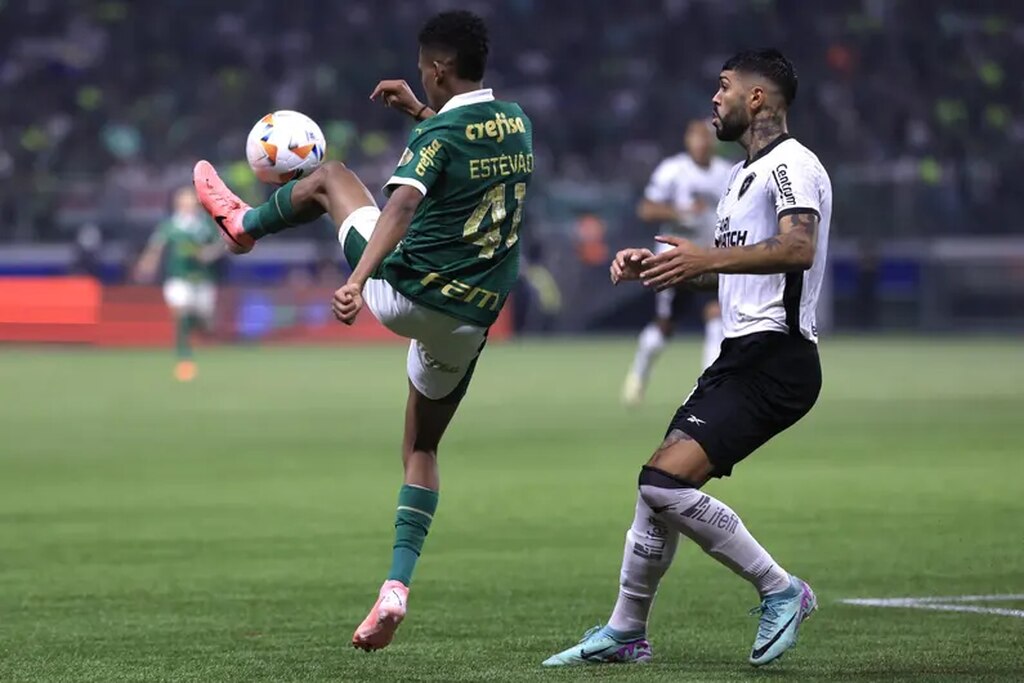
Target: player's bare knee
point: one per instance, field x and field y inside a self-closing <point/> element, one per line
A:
<point x="326" y="186"/>
<point x="333" y="171"/>
<point x="665" y="325"/>
<point x="313" y="187"/>
<point x="327" y="175"/>
<point x="681" y="456"/>
<point x="673" y="439"/>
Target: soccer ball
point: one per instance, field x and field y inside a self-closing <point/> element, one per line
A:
<point x="284" y="145"/>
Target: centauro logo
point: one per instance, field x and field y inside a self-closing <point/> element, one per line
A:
<point x="427" y="154"/>
<point x="498" y="128"/>
<point x="784" y="184"/>
<point x="460" y="291"/>
<point x="407" y="156"/>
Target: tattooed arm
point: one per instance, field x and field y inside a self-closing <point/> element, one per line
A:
<point x="792" y="249"/>
<point x="703" y="283"/>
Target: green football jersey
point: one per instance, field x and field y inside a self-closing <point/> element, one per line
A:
<point x="183" y="239"/>
<point x="472" y="162"/>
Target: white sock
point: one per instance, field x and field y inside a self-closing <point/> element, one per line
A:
<point x="650" y="547"/>
<point x="720" y="532"/>
<point x="650" y="346"/>
<point x="714" y="335"/>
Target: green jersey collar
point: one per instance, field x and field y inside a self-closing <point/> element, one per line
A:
<point x="471" y="97"/>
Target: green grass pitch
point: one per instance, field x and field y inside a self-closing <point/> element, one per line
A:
<point x="237" y="528"/>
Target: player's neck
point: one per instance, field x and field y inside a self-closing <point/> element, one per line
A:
<point x="460" y="88"/>
<point x="763" y="131"/>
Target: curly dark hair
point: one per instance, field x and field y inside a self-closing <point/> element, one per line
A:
<point x="768" y="63"/>
<point x="463" y="34"/>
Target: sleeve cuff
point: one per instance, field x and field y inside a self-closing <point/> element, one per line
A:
<point x="389" y="186"/>
<point x="799" y="209"/>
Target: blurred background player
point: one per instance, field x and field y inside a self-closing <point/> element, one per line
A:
<point x="680" y="198"/>
<point x="435" y="266"/>
<point x="190" y="243"/>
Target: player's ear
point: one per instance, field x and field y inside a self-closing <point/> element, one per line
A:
<point x="439" y="71"/>
<point x="756" y="98"/>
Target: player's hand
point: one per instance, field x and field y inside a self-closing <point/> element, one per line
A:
<point x="348" y="301"/>
<point x="681" y="263"/>
<point x="398" y="95"/>
<point x="626" y="265"/>
<point x="145" y="270"/>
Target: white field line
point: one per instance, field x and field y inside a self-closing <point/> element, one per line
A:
<point x="952" y="603"/>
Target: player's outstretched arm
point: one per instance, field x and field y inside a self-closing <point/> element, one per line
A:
<point x="706" y="282"/>
<point x="665" y="212"/>
<point x="792" y="249"/>
<point x="657" y="212"/>
<point x="391" y="227"/>
<point x="398" y="95"/>
<point x="627" y="264"/>
<point x="149" y="262"/>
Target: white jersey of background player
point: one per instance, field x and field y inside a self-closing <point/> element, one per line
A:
<point x="682" y="195"/>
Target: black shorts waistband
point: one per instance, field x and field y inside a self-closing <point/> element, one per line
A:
<point x="769" y="338"/>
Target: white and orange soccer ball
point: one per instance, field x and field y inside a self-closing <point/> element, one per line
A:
<point x="284" y="145"/>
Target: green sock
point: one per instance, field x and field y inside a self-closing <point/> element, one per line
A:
<point x="182" y="343"/>
<point x="278" y="213"/>
<point x="416" y="508"/>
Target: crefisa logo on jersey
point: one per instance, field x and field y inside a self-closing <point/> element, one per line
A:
<point x="746" y="184"/>
<point x="427" y="154"/>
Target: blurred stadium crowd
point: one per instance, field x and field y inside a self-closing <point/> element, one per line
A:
<point x="915" y="107"/>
